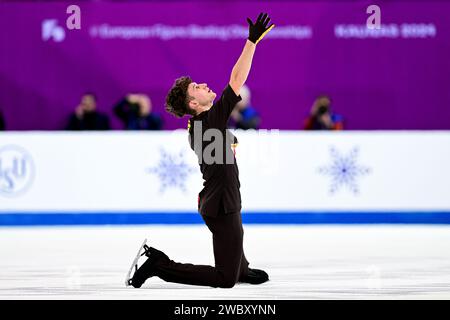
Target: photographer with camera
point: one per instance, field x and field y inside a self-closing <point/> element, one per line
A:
<point x="244" y="115"/>
<point x="135" y="111"/>
<point x="321" y="116"/>
<point x="86" y="116"/>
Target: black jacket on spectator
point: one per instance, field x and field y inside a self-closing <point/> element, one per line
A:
<point x="90" y="121"/>
<point x="2" y="122"/>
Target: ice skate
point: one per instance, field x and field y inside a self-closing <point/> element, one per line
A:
<point x="134" y="265"/>
<point x="148" y="269"/>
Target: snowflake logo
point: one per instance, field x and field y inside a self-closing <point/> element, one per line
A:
<point x="172" y="170"/>
<point x="344" y="170"/>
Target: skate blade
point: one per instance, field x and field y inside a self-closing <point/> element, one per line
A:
<point x="134" y="264"/>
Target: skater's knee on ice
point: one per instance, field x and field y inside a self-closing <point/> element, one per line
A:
<point x="228" y="280"/>
<point x="228" y="284"/>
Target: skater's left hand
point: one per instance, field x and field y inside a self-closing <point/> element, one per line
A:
<point x="259" y="29"/>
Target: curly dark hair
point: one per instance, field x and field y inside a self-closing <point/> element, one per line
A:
<point x="177" y="100"/>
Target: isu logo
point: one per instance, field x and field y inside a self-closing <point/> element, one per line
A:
<point x="16" y="170"/>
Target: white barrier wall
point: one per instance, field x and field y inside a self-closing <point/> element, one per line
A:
<point x="280" y="171"/>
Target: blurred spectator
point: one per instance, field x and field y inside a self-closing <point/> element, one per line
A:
<point x="86" y="117"/>
<point x="2" y="122"/>
<point x="321" y="116"/>
<point x="135" y="111"/>
<point x="244" y="116"/>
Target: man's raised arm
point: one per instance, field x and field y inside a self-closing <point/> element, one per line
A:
<point x="241" y="69"/>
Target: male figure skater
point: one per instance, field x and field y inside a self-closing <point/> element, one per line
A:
<point x="220" y="201"/>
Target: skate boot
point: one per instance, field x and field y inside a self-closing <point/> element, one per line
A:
<point x="254" y="276"/>
<point x="148" y="268"/>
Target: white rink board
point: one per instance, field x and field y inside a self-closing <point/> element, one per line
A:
<point x="279" y="171"/>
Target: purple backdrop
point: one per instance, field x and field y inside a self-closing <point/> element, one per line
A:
<point x="375" y="83"/>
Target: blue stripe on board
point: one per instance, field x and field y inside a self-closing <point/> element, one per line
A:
<point x="120" y="218"/>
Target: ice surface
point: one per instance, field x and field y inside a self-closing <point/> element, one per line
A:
<point x="303" y="262"/>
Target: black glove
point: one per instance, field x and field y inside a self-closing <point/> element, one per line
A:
<point x="258" y="30"/>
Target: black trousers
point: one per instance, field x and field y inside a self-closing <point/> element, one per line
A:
<point x="230" y="261"/>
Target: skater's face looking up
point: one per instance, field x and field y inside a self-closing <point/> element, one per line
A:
<point x="202" y="97"/>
